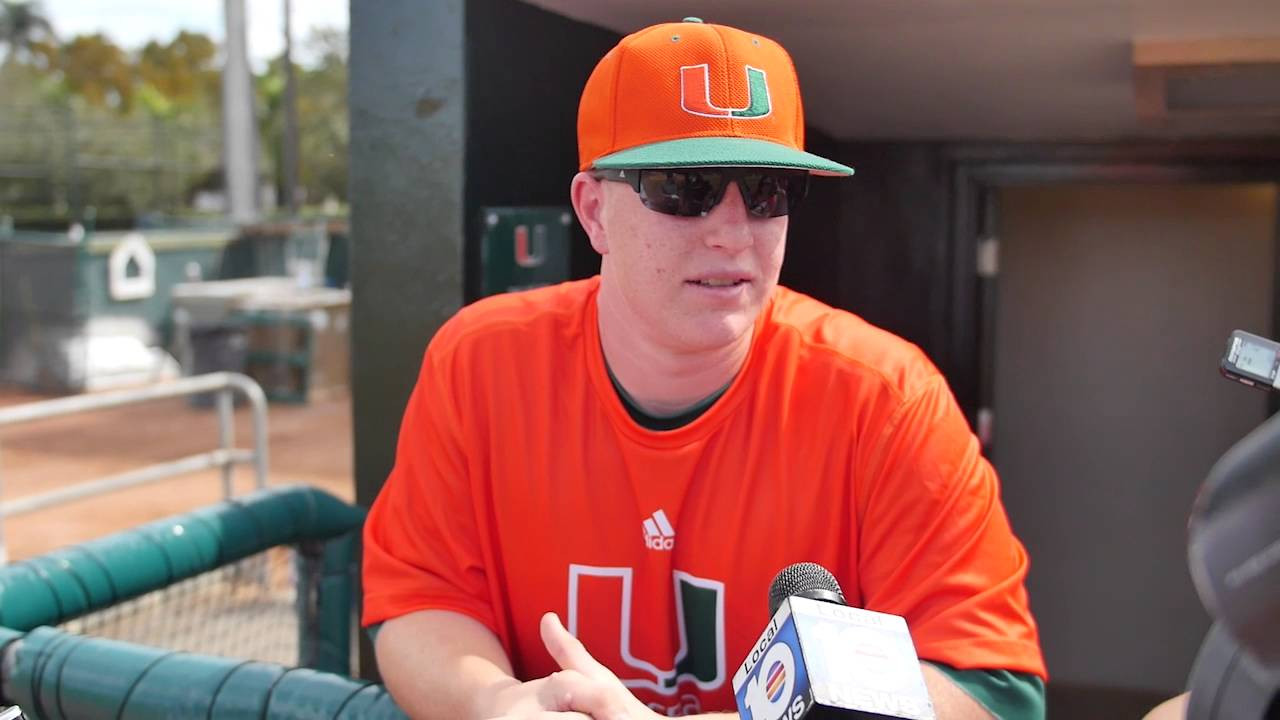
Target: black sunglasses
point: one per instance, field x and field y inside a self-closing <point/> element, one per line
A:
<point x="693" y="192"/>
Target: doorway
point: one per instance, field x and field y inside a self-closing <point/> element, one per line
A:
<point x="1113" y="306"/>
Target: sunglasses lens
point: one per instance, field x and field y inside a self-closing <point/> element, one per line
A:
<point x="687" y="193"/>
<point x="773" y="193"/>
<point x="691" y="192"/>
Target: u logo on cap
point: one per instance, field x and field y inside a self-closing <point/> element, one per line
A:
<point x="695" y="94"/>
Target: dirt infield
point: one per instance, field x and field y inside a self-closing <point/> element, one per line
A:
<point x="308" y="444"/>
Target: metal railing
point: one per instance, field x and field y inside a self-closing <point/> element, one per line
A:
<point x="225" y="457"/>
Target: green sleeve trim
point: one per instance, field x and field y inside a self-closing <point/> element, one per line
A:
<point x="1005" y="694"/>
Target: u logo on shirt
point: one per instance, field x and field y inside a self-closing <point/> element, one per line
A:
<point x="605" y="593"/>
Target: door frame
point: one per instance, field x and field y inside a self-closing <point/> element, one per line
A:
<point x="979" y="171"/>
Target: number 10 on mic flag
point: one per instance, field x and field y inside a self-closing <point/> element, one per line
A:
<point x="770" y="684"/>
<point x="821" y="660"/>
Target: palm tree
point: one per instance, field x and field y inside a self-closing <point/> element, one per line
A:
<point x="22" y="25"/>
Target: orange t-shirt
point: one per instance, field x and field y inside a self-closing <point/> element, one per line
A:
<point x="522" y="486"/>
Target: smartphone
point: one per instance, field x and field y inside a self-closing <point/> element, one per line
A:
<point x="1251" y="360"/>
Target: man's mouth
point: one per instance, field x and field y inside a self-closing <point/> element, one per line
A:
<point x="719" y="282"/>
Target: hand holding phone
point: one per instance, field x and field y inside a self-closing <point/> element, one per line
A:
<point x="1251" y="360"/>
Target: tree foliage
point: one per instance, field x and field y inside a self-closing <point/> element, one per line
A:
<point x="86" y="122"/>
<point x="23" y="28"/>
<point x="103" y="74"/>
<point x="183" y="71"/>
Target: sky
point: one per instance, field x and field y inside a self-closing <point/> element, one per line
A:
<point x="131" y="23"/>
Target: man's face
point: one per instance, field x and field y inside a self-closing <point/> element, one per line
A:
<point x="692" y="283"/>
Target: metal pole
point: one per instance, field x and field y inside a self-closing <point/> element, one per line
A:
<point x="182" y="348"/>
<point x="178" y="388"/>
<point x="309" y="568"/>
<point x="115" y="398"/>
<point x="133" y="478"/>
<point x="4" y="546"/>
<point x="237" y="120"/>
<point x="258" y="402"/>
<point x="290" y="154"/>
<point x="226" y="438"/>
<point x="224" y="458"/>
<point x="157" y="166"/>
<point x="75" y="198"/>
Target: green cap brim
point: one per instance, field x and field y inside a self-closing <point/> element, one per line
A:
<point x="719" y="152"/>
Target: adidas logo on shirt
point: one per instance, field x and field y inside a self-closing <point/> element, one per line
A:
<point x="658" y="533"/>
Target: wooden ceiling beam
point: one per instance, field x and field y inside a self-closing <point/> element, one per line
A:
<point x="1155" y="61"/>
<point x="1152" y="53"/>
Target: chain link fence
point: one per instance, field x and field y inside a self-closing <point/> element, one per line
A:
<point x="247" y="609"/>
<point x="56" y="161"/>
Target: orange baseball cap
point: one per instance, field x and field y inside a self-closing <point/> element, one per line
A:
<point x="692" y="94"/>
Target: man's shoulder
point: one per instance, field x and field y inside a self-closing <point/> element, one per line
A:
<point x="840" y="339"/>
<point x="517" y="319"/>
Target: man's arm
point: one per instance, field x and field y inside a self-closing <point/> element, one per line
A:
<point x="949" y="701"/>
<point x="934" y="543"/>
<point x="442" y="664"/>
<point x="1172" y="709"/>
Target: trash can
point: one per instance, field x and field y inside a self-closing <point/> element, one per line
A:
<point x="208" y="333"/>
<point x="292" y="340"/>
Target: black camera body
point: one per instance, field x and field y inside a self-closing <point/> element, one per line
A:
<point x="1234" y="542"/>
<point x="1233" y="552"/>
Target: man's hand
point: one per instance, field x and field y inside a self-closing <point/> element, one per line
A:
<point x="533" y="700"/>
<point x="583" y="688"/>
<point x="606" y="697"/>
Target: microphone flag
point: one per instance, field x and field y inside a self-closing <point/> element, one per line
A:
<point x="819" y="659"/>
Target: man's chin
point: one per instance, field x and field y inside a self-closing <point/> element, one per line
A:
<point x="714" y="333"/>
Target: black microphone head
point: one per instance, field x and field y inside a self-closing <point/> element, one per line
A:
<point x="808" y="580"/>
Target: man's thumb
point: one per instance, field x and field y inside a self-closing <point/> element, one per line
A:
<point x="567" y="650"/>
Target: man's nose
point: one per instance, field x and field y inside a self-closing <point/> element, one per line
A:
<point x="727" y="224"/>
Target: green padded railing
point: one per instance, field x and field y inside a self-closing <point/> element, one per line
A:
<point x="72" y="581"/>
<point x="55" y="674"/>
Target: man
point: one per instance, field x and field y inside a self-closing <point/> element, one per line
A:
<point x="596" y="482"/>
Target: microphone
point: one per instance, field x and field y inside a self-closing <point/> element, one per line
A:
<point x="1233" y="552"/>
<point x="809" y="580"/>
<point x="820" y="659"/>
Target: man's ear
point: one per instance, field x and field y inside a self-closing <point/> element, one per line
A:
<point x="587" y="194"/>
